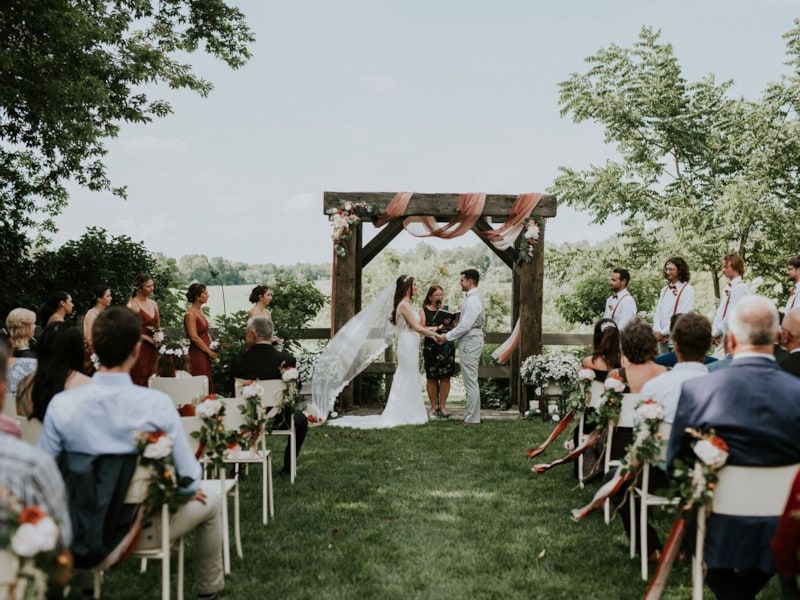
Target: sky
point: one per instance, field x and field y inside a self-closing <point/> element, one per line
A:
<point x="431" y="96"/>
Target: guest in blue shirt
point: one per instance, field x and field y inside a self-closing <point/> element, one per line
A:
<point x="105" y="416"/>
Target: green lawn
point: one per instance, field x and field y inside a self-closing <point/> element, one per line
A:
<point x="423" y="512"/>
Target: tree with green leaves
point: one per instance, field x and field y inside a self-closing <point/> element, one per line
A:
<point x="73" y="73"/>
<point x="99" y="259"/>
<point x="699" y="173"/>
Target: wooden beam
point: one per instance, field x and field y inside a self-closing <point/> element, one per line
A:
<point x="379" y="242"/>
<point x="508" y="256"/>
<point x="441" y="206"/>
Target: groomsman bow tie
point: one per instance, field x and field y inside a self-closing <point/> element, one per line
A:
<point x="674" y="288"/>
<point x="614" y="296"/>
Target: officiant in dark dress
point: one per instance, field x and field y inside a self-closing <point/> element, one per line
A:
<point x="263" y="360"/>
<point x="439" y="359"/>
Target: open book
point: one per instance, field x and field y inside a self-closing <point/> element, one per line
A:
<point x="446" y="318"/>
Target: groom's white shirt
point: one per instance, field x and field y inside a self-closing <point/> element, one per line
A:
<point x="470" y="311"/>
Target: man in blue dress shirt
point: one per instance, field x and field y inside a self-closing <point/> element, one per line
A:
<point x="105" y="416"/>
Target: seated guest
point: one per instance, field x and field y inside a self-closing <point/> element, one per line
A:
<point x="691" y="337"/>
<point x="29" y="474"/>
<point x="790" y="339"/>
<point x="605" y="354"/>
<point x="722" y="362"/>
<point x="61" y="356"/>
<point x="21" y="324"/>
<point x="173" y="361"/>
<point x="105" y="417"/>
<point x="639" y="347"/>
<point x="755" y="407"/>
<point x="263" y="361"/>
<point x="670" y="359"/>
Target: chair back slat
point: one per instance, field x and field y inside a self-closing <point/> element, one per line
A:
<point x="627" y="412"/>
<point x="182" y="390"/>
<point x="10" y="405"/>
<point x="191" y="424"/>
<point x="596" y="389"/>
<point x="753" y="491"/>
<point x="31" y="429"/>
<point x="273" y="390"/>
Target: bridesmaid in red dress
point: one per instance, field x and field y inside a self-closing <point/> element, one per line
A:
<point x="196" y="325"/>
<point x="147" y="309"/>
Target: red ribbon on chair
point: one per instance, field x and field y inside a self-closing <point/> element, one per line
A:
<point x="668" y="556"/>
<point x="534" y="452"/>
<point x="572" y="456"/>
<point x="608" y="489"/>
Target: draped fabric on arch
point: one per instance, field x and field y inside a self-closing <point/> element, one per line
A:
<point x="469" y="210"/>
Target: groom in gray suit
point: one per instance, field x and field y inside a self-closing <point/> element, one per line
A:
<point x="755" y="407"/>
<point x="469" y="336"/>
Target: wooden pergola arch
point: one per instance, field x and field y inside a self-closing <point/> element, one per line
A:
<point x="528" y="277"/>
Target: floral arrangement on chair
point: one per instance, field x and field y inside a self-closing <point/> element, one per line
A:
<point x="155" y="453"/>
<point x="578" y="402"/>
<point x="647" y="440"/>
<point x="213" y="437"/>
<point x="291" y="395"/>
<point x="29" y="554"/>
<point x="695" y="483"/>
<point x="527" y="245"/>
<point x="347" y="215"/>
<point x="609" y="411"/>
<point x="254" y="415"/>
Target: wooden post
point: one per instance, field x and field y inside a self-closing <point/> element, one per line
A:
<point x="343" y="301"/>
<point x="531" y="302"/>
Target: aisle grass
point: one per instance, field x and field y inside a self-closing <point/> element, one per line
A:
<point x="423" y="512"/>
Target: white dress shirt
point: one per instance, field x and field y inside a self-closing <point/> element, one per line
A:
<point x="471" y="311"/>
<point x="794" y="299"/>
<point x="734" y="291"/>
<point x="666" y="388"/>
<point x="674" y="299"/>
<point x="104" y="417"/>
<point x="621" y="307"/>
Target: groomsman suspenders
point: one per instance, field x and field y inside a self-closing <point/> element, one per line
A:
<point x="613" y="312"/>
<point x="677" y="298"/>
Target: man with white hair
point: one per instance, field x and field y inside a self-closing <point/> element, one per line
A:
<point x="754" y="406"/>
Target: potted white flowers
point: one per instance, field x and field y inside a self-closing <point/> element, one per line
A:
<point x="554" y="377"/>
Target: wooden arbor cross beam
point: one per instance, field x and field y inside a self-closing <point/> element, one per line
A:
<point x="528" y="277"/>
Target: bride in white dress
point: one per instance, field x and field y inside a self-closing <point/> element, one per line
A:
<point x="405" y="405"/>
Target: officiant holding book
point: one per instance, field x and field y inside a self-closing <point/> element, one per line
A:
<point x="439" y="359"/>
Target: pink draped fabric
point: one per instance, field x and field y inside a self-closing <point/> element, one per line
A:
<point x="395" y="209"/>
<point x="572" y="456"/>
<point x="506" y="349"/>
<point x="608" y="489"/>
<point x="534" y="452"/>
<point x="469" y="210"/>
<point x="504" y="236"/>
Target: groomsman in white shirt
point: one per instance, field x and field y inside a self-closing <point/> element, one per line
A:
<point x="677" y="297"/>
<point x="733" y="269"/>
<point x="793" y="274"/>
<point x="620" y="305"/>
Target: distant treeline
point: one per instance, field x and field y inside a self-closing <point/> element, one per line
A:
<point x="215" y="270"/>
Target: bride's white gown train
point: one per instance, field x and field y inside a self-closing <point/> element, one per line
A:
<point x="405" y="405"/>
